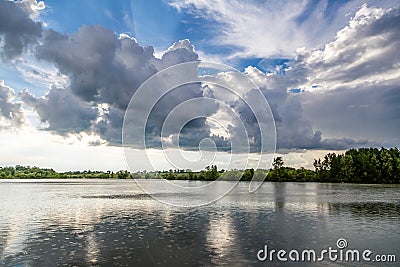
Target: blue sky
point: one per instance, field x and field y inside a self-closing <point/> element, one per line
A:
<point x="143" y="20"/>
<point x="329" y="70"/>
<point x="153" y="23"/>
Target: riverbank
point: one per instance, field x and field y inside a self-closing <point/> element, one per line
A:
<point x="361" y="166"/>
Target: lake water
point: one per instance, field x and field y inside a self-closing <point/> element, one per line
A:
<point x="112" y="223"/>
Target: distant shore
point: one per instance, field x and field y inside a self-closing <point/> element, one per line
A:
<point x="362" y="166"/>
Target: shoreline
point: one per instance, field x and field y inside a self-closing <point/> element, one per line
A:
<point x="194" y="180"/>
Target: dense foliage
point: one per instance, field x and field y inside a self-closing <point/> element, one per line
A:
<point x="364" y="165"/>
<point x="36" y="172"/>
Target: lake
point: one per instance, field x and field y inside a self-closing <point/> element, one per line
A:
<point x="81" y="222"/>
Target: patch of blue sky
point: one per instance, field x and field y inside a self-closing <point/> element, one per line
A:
<point x="274" y="65"/>
<point x="267" y="65"/>
<point x="328" y="13"/>
<point x="296" y="90"/>
<point x="16" y="80"/>
<point x="68" y="17"/>
<point x="160" y="25"/>
<point x="157" y="24"/>
<point x="300" y="90"/>
<point x="152" y="23"/>
<point x="242" y="63"/>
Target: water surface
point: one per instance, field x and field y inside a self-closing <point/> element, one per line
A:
<point x="113" y="223"/>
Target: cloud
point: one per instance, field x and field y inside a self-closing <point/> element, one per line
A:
<point x="350" y="84"/>
<point x="31" y="7"/>
<point x="179" y="52"/>
<point x="294" y="130"/>
<point x="358" y="77"/>
<point x="17" y="29"/>
<point x="62" y="111"/>
<point x="351" y="87"/>
<point x="104" y="71"/>
<point x="364" y="53"/>
<point x="117" y="66"/>
<point x="109" y="125"/>
<point x="263" y="29"/>
<point x="11" y="112"/>
<point x="360" y="112"/>
<point x="101" y="67"/>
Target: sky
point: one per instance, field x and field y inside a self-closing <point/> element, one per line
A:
<point x="69" y="74"/>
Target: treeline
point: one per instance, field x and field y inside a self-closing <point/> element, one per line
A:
<point x="278" y="174"/>
<point x="364" y="165"/>
<point x="25" y="172"/>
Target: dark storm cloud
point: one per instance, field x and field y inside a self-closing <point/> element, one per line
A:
<point x="63" y="111"/>
<point x="371" y="112"/>
<point x="104" y="72"/>
<point x="109" y="127"/>
<point x="9" y="110"/>
<point x="101" y="67"/>
<point x="293" y="129"/>
<point x="17" y="29"/>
